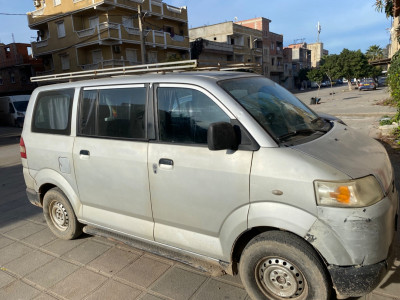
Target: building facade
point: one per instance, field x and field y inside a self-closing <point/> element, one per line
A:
<point x="226" y="43"/>
<point x="301" y="59"/>
<point x="317" y="52"/>
<point x="16" y="68"/>
<point x="76" y="35"/>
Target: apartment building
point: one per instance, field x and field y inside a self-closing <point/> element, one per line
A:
<point x="16" y="68"/>
<point x="226" y="43"/>
<point x="317" y="52"/>
<point x="301" y="59"/>
<point x="272" y="47"/>
<point x="76" y="35"/>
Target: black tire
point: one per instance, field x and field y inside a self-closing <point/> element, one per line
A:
<point x="279" y="265"/>
<point x="60" y="216"/>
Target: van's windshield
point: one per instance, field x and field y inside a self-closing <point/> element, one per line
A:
<point x="279" y="112"/>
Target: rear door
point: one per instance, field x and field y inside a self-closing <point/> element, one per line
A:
<point x="194" y="191"/>
<point x="110" y="158"/>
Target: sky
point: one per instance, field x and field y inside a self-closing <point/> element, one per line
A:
<point x="345" y="24"/>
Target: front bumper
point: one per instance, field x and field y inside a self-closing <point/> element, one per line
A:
<point x="356" y="281"/>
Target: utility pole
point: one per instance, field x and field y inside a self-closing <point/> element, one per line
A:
<point x="142" y="37"/>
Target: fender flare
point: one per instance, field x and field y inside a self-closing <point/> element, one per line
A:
<point x="49" y="176"/>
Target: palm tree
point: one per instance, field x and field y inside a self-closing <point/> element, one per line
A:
<point x="374" y="52"/>
<point x="384" y="6"/>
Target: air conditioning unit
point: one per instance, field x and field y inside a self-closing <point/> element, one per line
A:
<point x="36" y="3"/>
<point x="117" y="49"/>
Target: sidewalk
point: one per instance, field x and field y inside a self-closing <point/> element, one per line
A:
<point x="36" y="265"/>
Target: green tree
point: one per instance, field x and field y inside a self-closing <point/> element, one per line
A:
<point x="316" y="75"/>
<point x="330" y="67"/>
<point x="394" y="80"/>
<point x="374" y="52"/>
<point x="352" y="64"/>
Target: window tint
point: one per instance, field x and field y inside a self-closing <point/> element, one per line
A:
<point x="53" y="112"/>
<point x="11" y="108"/>
<point x="184" y="115"/>
<point x="118" y="113"/>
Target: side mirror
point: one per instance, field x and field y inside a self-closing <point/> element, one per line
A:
<point x="221" y="136"/>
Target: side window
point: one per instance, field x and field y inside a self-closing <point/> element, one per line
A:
<point x="116" y="113"/>
<point x="52" y="112"/>
<point x="184" y="115"/>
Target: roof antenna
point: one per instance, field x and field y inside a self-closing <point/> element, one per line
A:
<point x="236" y="19"/>
<point x="319" y="31"/>
<point x="13" y="38"/>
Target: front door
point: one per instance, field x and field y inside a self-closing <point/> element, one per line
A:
<point x="110" y="157"/>
<point x="194" y="191"/>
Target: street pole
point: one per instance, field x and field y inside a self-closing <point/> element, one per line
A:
<point x="142" y="37"/>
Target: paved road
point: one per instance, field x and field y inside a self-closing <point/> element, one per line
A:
<point x="36" y="265"/>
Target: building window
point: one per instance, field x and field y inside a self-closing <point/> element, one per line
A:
<point x="272" y="61"/>
<point x="127" y="22"/>
<point x="152" y="57"/>
<point x="131" y="56"/>
<point x="93" y="22"/>
<point x="1" y="80"/>
<point x="272" y="46"/>
<point x="57" y="2"/>
<point x="12" y="77"/>
<point x="60" y="29"/>
<point x="65" y="62"/>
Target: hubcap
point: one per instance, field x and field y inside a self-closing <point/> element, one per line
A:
<point x="279" y="277"/>
<point x="59" y="215"/>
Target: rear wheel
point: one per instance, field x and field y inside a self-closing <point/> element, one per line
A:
<point x="60" y="216"/>
<point x="279" y="265"/>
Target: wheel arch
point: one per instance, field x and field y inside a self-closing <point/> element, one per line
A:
<point x="47" y="179"/>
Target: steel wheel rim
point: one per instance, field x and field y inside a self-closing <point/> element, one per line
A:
<point x="59" y="215"/>
<point x="280" y="278"/>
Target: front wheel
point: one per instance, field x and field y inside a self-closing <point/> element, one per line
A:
<point x="279" y="265"/>
<point x="60" y="216"/>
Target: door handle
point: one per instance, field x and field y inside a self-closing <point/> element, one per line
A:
<point x="166" y="163"/>
<point x="84" y="154"/>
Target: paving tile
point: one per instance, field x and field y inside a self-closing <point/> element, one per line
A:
<point x="5" y="279"/>
<point x="44" y="296"/>
<point x="150" y="297"/>
<point x="214" y="289"/>
<point x="232" y="279"/>
<point x="113" y="290"/>
<point x="79" y="284"/>
<point x="86" y="252"/>
<point x="18" y="290"/>
<point x="28" y="263"/>
<point x="389" y="284"/>
<point x="374" y="296"/>
<point x="112" y="261"/>
<point x="179" y="284"/>
<point x="143" y="271"/>
<point x="40" y="238"/>
<point x="12" y="252"/>
<point x="9" y="223"/>
<point x="38" y="217"/>
<point x="5" y="242"/>
<point x="24" y="230"/>
<point x="61" y="247"/>
<point x="51" y="273"/>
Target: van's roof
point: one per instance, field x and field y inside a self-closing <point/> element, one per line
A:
<point x="195" y="77"/>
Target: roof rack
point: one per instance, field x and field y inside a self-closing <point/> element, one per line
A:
<point x="139" y="69"/>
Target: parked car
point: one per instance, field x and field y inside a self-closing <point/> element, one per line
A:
<point x="367" y="84"/>
<point x="224" y="171"/>
<point x="382" y="81"/>
<point x="12" y="109"/>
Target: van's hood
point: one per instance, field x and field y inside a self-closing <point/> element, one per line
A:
<point x="352" y="153"/>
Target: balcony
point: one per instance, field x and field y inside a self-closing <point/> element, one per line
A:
<point x="41" y="44"/>
<point x="86" y="32"/>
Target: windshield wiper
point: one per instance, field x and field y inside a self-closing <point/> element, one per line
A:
<point x="298" y="132"/>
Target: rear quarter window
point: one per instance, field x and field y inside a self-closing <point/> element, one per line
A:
<point x="52" y="112"/>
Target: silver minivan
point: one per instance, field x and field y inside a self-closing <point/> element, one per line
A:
<point x="225" y="171"/>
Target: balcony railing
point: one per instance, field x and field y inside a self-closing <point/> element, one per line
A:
<point x="86" y="32"/>
<point x="38" y="12"/>
<point x="132" y="30"/>
<point x="41" y="44"/>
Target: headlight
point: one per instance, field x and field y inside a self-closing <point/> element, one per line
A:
<point x="352" y="193"/>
